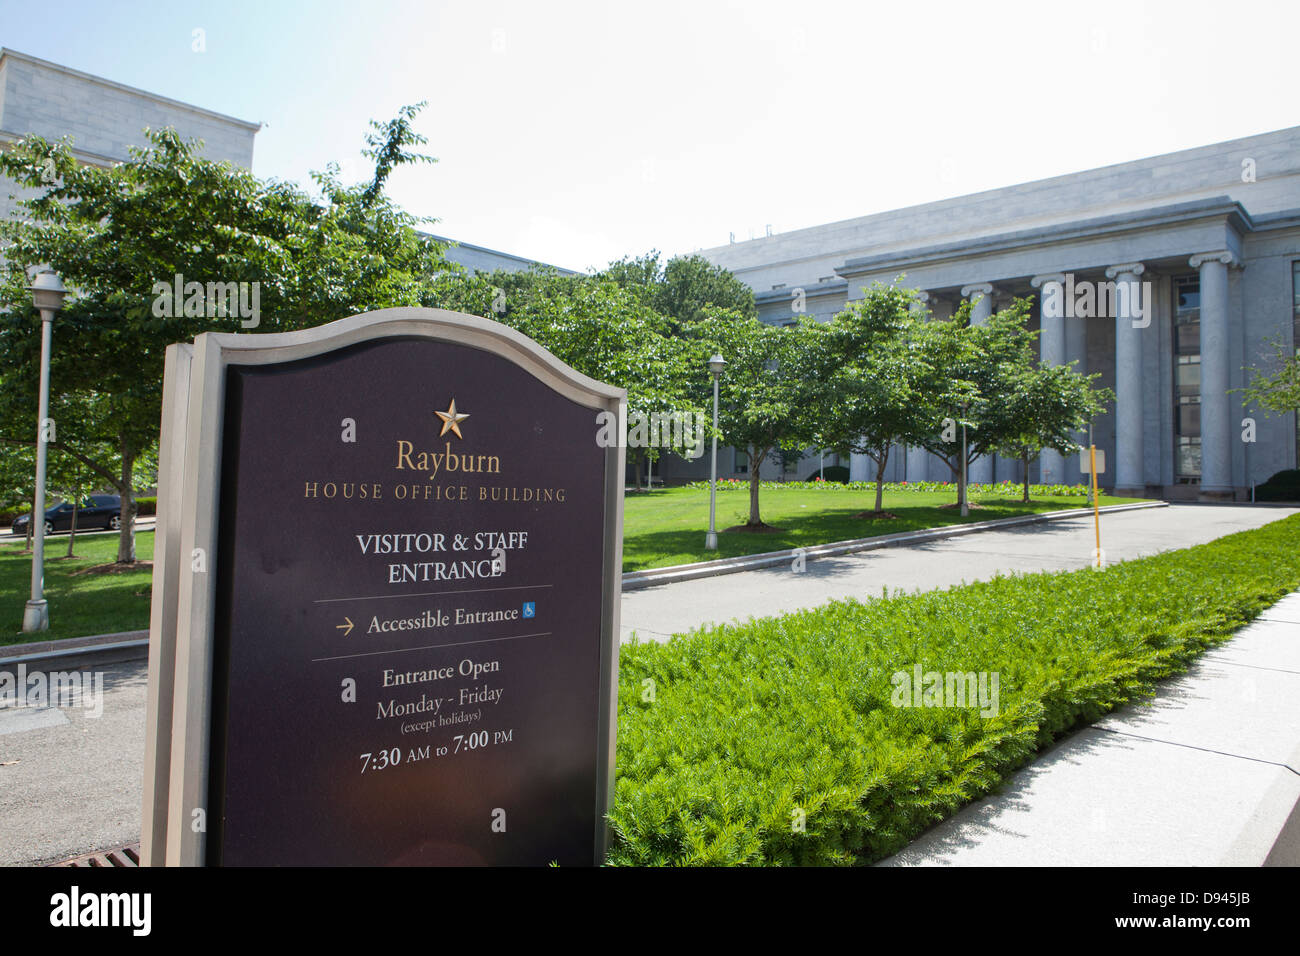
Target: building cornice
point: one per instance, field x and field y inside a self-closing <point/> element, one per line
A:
<point x="1118" y="223"/>
<point x="6" y="53"/>
<point x="1285" y="219"/>
<point x="812" y="290"/>
<point x="1239" y="146"/>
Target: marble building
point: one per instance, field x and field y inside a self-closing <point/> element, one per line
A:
<point x="1206" y="239"/>
<point x="104" y="118"/>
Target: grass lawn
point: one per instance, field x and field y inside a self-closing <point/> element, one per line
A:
<point x="667" y="526"/>
<point x="80" y="604"/>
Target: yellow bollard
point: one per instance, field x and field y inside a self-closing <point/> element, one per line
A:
<point x="1096" y="507"/>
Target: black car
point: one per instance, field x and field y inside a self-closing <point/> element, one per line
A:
<point x="96" y="511"/>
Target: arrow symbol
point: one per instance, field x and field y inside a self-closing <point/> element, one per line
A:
<point x="348" y="625"/>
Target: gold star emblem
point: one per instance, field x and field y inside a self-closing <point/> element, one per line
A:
<point x="451" y="420"/>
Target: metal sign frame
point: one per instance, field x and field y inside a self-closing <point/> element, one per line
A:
<point x="181" y="635"/>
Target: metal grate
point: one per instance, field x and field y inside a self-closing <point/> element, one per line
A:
<point x="123" y="856"/>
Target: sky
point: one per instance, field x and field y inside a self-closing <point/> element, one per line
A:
<point x="578" y="133"/>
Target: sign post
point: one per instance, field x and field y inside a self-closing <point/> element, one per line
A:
<point x="1093" y="465"/>
<point x="385" y="620"/>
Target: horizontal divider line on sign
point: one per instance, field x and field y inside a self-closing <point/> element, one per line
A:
<point x="429" y="647"/>
<point x="380" y="597"/>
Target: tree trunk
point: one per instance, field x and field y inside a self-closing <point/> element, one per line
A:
<point x="72" y="535"/>
<point x="636" y="470"/>
<point x="880" y="479"/>
<point x="1024" y="460"/>
<point x="126" y="535"/>
<point x="755" y="464"/>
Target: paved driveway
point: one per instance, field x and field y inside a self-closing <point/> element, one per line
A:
<point x="658" y="612"/>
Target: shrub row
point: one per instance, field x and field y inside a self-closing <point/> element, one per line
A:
<point x="1283" y="486"/>
<point x="727" y="735"/>
<point x="1002" y="487"/>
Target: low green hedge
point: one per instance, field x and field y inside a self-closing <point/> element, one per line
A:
<point x="836" y="473"/>
<point x="1008" y="488"/>
<point x="144" y="506"/>
<point x="1283" y="486"/>
<point x="728" y="734"/>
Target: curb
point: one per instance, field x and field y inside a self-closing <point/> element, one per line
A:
<point x="84" y="652"/>
<point x="636" y="580"/>
<point x="140" y="525"/>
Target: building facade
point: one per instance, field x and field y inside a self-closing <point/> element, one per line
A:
<point x="1170" y="276"/>
<point x="103" y="118"/>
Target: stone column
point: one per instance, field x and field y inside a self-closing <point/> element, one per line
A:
<point x="1051" y="343"/>
<point x="1216" y="425"/>
<point x="917" y="465"/>
<point x="861" y="468"/>
<point x="981" y="469"/>
<point x="1130" y="325"/>
<point x="1076" y="351"/>
<point x="983" y="305"/>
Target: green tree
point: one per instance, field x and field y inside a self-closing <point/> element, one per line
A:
<point x="598" y="327"/>
<point x="684" y="288"/>
<point x="987" y="380"/>
<point x="1278" y="391"/>
<point x="971" y="370"/>
<point x="874" y="372"/>
<point x="120" y="236"/>
<point x="1044" y="405"/>
<point x="768" y="392"/>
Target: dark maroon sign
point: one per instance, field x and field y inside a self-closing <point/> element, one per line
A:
<point x="409" y="609"/>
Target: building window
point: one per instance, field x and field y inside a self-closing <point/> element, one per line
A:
<point x="742" y="462"/>
<point x="1187" y="379"/>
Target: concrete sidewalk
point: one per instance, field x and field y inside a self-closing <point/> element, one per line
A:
<point x="1206" y="775"/>
<point x="656" y="613"/>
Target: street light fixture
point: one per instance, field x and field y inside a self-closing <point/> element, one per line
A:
<point x="47" y="294"/>
<point x="716" y="365"/>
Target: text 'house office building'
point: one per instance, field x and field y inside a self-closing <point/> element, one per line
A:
<point x="1212" y="234"/>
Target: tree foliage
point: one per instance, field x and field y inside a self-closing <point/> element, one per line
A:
<point x="119" y="235"/>
<point x="877" y="376"/>
<point x="684" y="288"/>
<point x="768" y="392"/>
<point x="1277" y="391"/>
